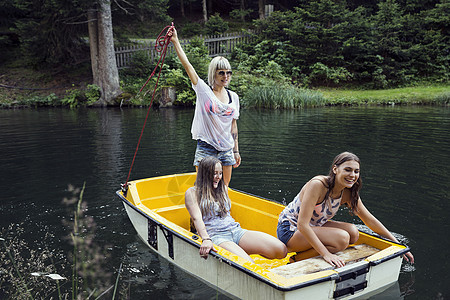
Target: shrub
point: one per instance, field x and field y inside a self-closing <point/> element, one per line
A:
<point x="73" y="98"/>
<point x="191" y="29"/>
<point x="321" y="73"/>
<point x="92" y="93"/>
<point x="216" y="25"/>
<point x="240" y="14"/>
<point x="140" y="66"/>
<point x="38" y="101"/>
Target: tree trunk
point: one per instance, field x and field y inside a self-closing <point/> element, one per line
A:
<point x="93" y="43"/>
<point x="242" y="9"/>
<point x="261" y="8"/>
<point x="182" y="8"/>
<point x="205" y="13"/>
<point x="103" y="58"/>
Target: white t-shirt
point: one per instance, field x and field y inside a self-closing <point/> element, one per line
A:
<point x="212" y="118"/>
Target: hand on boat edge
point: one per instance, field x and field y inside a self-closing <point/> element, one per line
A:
<point x="207" y="245"/>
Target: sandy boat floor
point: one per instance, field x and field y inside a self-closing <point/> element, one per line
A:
<point x="314" y="264"/>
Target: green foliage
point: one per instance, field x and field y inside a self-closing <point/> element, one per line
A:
<point x="191" y="29"/>
<point x="73" y="98"/>
<point x="197" y="53"/>
<point x="240" y="13"/>
<point x="92" y="93"/>
<point x="283" y="98"/>
<point x="79" y="97"/>
<point x="216" y="25"/>
<point x="141" y="65"/>
<point x="48" y="31"/>
<point x="374" y="45"/>
<point x="421" y="94"/>
<point x="184" y="92"/>
<point x="443" y="99"/>
<point x="321" y="73"/>
<point x="141" y="12"/>
<point x="42" y="101"/>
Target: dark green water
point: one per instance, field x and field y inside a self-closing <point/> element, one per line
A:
<point x="405" y="153"/>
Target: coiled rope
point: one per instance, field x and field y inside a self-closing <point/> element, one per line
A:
<point x="161" y="45"/>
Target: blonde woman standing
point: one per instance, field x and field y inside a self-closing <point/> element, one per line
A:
<point x="216" y="112"/>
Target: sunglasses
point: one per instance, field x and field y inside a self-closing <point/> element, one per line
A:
<point x="222" y="73"/>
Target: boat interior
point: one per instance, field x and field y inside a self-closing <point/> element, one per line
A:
<point x="165" y="197"/>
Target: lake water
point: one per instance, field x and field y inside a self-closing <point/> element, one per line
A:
<point x="405" y="153"/>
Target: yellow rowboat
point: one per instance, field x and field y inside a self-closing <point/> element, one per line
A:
<point x="156" y="209"/>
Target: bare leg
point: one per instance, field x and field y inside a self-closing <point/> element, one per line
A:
<point x="256" y="242"/>
<point x="350" y="228"/>
<point x="234" y="248"/>
<point x="227" y="174"/>
<point x="334" y="239"/>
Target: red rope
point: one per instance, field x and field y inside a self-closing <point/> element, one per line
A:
<point x="162" y="42"/>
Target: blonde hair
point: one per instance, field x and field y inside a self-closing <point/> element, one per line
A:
<point x="217" y="63"/>
<point x="207" y="195"/>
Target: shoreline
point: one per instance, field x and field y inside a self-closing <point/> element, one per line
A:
<point x="25" y="88"/>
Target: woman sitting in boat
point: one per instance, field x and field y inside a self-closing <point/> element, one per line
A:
<point x="209" y="206"/>
<point x="305" y="224"/>
<point x="216" y="112"/>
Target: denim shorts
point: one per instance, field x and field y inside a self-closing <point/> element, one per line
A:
<point x="204" y="149"/>
<point x="232" y="235"/>
<point x="284" y="233"/>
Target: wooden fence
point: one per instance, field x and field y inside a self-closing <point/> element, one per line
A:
<point x="216" y="44"/>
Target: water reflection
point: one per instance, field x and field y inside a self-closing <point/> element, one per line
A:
<point x="405" y="169"/>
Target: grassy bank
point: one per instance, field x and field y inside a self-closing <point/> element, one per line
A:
<point x="23" y="87"/>
<point x="425" y="94"/>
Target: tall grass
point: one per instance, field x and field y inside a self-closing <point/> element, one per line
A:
<point x="281" y="97"/>
<point x="27" y="273"/>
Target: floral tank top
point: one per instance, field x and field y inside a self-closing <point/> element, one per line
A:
<point x="322" y="212"/>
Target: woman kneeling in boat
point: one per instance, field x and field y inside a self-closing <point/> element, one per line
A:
<point x="209" y="206"/>
<point x="306" y="222"/>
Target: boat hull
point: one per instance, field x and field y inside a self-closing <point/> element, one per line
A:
<point x="162" y="222"/>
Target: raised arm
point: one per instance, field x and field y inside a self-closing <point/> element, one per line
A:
<point x="374" y="224"/>
<point x="196" y="215"/>
<point x="182" y="56"/>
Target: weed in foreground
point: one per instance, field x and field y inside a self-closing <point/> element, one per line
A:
<point x="27" y="273"/>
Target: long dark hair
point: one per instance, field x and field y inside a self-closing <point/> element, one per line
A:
<point x="206" y="193"/>
<point x="331" y="178"/>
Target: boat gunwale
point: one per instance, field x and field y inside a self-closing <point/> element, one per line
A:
<point x="251" y="273"/>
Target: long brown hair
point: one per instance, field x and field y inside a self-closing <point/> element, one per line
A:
<point x="354" y="190"/>
<point x="206" y="193"/>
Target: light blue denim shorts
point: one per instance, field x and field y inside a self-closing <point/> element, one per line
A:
<point x="233" y="235"/>
<point x="204" y="149"/>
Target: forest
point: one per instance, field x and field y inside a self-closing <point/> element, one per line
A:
<point x="303" y="44"/>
